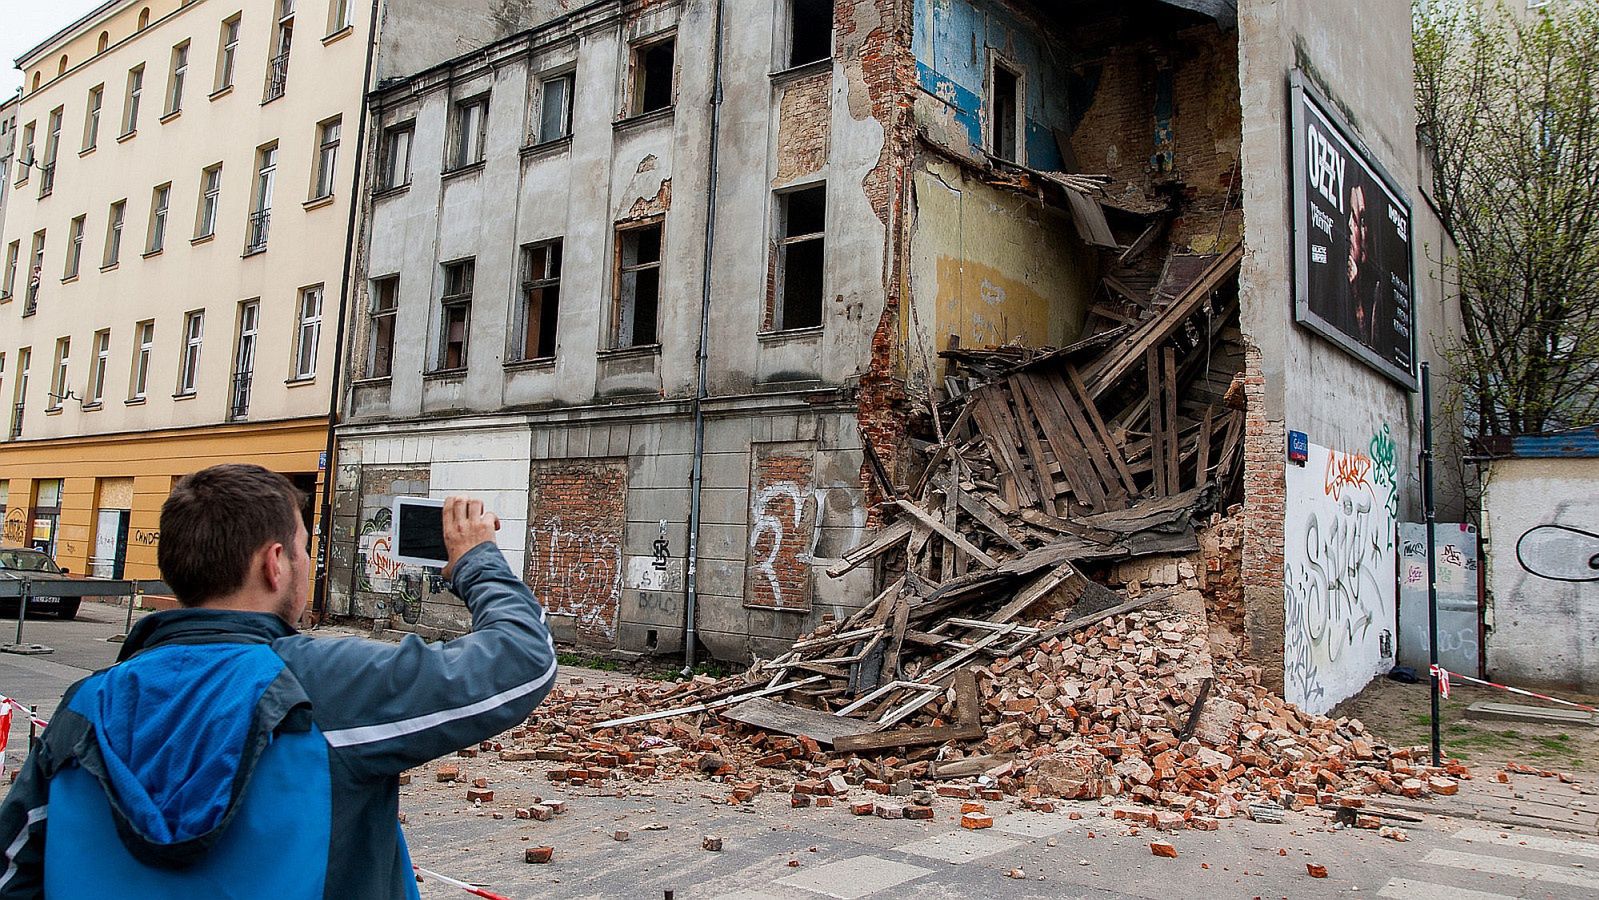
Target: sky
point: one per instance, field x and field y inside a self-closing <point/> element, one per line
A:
<point x="24" y="23"/>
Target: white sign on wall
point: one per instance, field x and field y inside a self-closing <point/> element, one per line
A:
<point x="1339" y="565"/>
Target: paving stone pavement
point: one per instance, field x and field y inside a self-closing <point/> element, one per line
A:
<point x="841" y="856"/>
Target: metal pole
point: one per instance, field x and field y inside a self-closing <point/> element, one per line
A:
<point x="1431" y="511"/>
<point x="22" y="607"/>
<point x="33" y="725"/>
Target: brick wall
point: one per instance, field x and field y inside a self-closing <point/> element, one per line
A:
<point x="1117" y="132"/>
<point x="782" y="524"/>
<point x="874" y="39"/>
<point x="577" y="516"/>
<point x="1265" y="490"/>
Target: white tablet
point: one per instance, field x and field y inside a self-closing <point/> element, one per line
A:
<point x="419" y="532"/>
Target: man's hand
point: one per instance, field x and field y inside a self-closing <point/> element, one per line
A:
<point x="466" y="524"/>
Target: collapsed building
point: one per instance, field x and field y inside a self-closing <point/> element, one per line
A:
<point x="705" y="300"/>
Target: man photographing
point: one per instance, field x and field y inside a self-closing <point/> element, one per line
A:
<point x="228" y="755"/>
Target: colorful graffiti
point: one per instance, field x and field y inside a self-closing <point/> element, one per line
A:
<point x="1338" y="573"/>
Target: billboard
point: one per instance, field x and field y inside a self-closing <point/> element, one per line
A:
<point x="1354" y="261"/>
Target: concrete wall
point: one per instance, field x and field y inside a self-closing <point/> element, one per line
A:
<point x="783" y="474"/>
<point x="1541" y="629"/>
<point x="417" y="34"/>
<point x="1298" y="381"/>
<point x="595" y="509"/>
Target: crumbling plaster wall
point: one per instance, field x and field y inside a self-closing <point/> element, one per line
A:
<point x="416" y="34"/>
<point x="1298" y="381"/>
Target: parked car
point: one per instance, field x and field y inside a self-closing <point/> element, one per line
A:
<point x="16" y="563"/>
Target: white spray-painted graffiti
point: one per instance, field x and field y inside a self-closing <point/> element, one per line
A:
<point x="778" y="514"/>
<point x="577" y="571"/>
<point x="1339" y="565"/>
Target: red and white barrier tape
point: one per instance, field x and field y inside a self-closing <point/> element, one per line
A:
<point x="470" y="889"/>
<point x="1444" y="675"/>
<point x="25" y="711"/>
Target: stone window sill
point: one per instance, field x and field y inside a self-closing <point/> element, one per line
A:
<point x="221" y="92"/>
<point x="128" y="136"/>
<point x="790" y="335"/>
<point x="339" y="35"/>
<point x="465" y="170"/>
<point x="547" y="148"/>
<point x="318" y="202"/>
<point x="202" y="239"/>
<point x="626" y="352"/>
<point x="392" y="191"/>
<point x="445" y="375"/>
<point x="170" y="116"/>
<point x="633" y="123"/>
<point x="188" y="395"/>
<point x="542" y="364"/>
<point x="299" y="382"/>
<point x="133" y="401"/>
<point x="795" y="73"/>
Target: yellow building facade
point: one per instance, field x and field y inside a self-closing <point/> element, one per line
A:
<point x="173" y="255"/>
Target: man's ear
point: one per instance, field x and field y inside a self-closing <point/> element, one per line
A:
<point x="275" y="568"/>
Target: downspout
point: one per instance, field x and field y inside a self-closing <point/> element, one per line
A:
<point x="697" y="477"/>
<point x="325" y="548"/>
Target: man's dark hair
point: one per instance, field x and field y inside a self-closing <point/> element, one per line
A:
<point x="214" y="523"/>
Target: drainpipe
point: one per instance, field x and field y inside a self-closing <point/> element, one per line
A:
<point x="697" y="477"/>
<point x="319" y="601"/>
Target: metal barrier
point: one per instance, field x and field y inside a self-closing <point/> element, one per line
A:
<point x="24" y="589"/>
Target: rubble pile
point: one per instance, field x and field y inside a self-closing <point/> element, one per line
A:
<point x="997" y="660"/>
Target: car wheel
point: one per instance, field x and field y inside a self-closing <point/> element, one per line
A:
<point x="68" y="610"/>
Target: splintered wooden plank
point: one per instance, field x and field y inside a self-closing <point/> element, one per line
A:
<point x="1002" y="447"/>
<point x="783" y="718"/>
<point x="1169" y="419"/>
<point x="1115" y="364"/>
<point x="704" y="707"/>
<point x="1074" y="382"/>
<point x="1038" y="589"/>
<point x="886" y="540"/>
<point x="1206" y="435"/>
<point x="965" y="546"/>
<point x="1157" y="428"/>
<point x="1094" y="441"/>
<point x="1020" y="421"/>
<point x="1027" y="423"/>
<point x="1069" y="451"/>
<point x="981" y="514"/>
<point x="907" y="737"/>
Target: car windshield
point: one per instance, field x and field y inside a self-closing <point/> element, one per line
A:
<point x="26" y="561"/>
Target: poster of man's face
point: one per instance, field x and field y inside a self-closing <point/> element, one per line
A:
<point x="1353" y="246"/>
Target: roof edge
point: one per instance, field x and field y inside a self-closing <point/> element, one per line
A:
<point x="83" y="20"/>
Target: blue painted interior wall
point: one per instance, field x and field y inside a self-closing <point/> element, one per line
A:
<point x="951" y="43"/>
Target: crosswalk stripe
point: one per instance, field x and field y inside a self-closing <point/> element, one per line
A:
<point x="1498" y="865"/>
<point x="1529" y="841"/>
<point x="1405" y="889"/>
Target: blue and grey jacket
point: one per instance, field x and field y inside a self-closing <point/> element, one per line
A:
<point x="227" y="755"/>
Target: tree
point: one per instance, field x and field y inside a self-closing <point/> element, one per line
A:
<point x="1508" y="108"/>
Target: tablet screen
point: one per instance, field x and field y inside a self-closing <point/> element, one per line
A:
<point x="419" y="532"/>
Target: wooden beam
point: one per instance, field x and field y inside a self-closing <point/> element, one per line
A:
<point x="965" y="546"/>
<point x="907" y="737"/>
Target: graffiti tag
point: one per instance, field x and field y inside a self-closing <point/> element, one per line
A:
<point x="1346" y="471"/>
<point x="580" y="570"/>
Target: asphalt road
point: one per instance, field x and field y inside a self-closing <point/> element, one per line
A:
<point x="773" y="852"/>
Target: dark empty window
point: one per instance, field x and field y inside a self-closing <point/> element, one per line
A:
<point x="653" y="65"/>
<point x="457" y="317"/>
<point x="638" y="285"/>
<point x="810" y="31"/>
<point x="1004" y="114"/>
<point x="801" y="248"/>
<point x="385" y="304"/>
<point x="541" y="301"/>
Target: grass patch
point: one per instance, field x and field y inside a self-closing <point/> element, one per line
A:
<point x="585" y="661"/>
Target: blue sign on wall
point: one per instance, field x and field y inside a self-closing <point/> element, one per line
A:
<point x="1298" y="447"/>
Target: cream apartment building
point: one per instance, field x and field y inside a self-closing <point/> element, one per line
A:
<point x="173" y="253"/>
